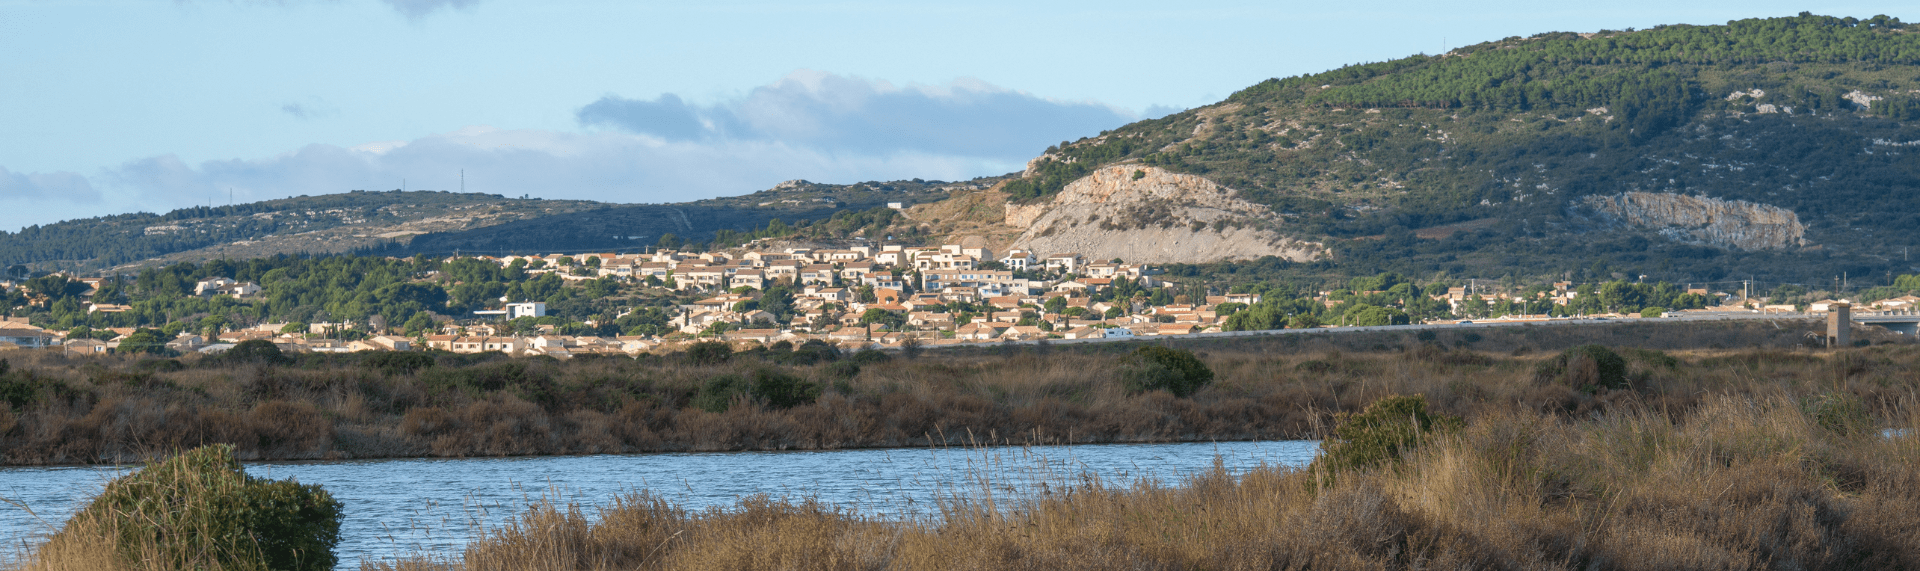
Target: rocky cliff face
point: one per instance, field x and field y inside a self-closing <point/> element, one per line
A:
<point x="1731" y="224"/>
<point x="1145" y="214"/>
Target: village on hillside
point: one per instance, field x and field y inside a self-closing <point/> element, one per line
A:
<point x="860" y="297"/>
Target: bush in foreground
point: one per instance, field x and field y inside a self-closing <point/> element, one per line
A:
<point x="199" y="510"/>
<point x="1586" y="368"/>
<point x="1383" y="432"/>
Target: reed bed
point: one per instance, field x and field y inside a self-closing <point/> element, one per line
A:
<point x="1741" y="482"/>
<point x="66" y="410"/>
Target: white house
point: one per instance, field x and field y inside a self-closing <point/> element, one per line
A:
<point x="210" y="286"/>
<point x="1068" y="263"/>
<point x="526" y="309"/>
<point x="1018" y="260"/>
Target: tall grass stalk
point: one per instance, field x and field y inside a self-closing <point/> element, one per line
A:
<point x="1740" y="482"/>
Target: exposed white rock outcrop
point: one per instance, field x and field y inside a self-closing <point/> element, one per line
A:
<point x="1862" y="99"/>
<point x="1144" y="214"/>
<point x="1732" y="224"/>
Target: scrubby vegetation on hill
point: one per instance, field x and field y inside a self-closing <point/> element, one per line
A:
<point x="1808" y="113"/>
<point x="722" y="222"/>
<point x="124" y="238"/>
<point x="405" y="294"/>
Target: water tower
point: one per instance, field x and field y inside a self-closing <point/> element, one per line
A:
<point x="1839" y="320"/>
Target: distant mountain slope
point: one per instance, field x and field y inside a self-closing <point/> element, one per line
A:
<point x="615" y="227"/>
<point x="1522" y="144"/>
<point x="405" y="223"/>
<point x="315" y="224"/>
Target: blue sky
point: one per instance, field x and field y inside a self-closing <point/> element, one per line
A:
<point x="119" y="106"/>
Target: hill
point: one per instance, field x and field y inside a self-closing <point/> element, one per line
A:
<point x="1766" y="147"/>
<point x="304" y="224"/>
<point x="728" y="220"/>
<point x="434" y="222"/>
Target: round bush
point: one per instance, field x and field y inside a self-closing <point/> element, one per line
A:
<point x="717" y="394"/>
<point x="1380" y="434"/>
<point x="870" y="356"/>
<point x="781" y="390"/>
<point x="199" y="510"/>
<point x="399" y="362"/>
<point x="1156" y="368"/>
<point x="709" y="352"/>
<point x="1586" y="368"/>
<point x="254" y="351"/>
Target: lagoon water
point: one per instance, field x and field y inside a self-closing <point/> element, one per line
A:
<point x="435" y="505"/>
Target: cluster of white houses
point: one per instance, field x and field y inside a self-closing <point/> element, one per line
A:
<point x="1023" y="297"/>
<point x="916" y="284"/>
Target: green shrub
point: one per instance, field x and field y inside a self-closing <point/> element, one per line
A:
<point x="16" y="392"/>
<point x="199" y="510"/>
<point x="781" y="390"/>
<point x="1156" y="368"/>
<point x="870" y="356"/>
<point x="160" y="365"/>
<point x="813" y="351"/>
<point x="709" y="352"/>
<point x="1839" y="413"/>
<point x="1651" y="357"/>
<point x="1586" y="368"/>
<point x="1652" y="312"/>
<point x="717" y="394"/>
<point x="1380" y="434"/>
<point x="257" y="351"/>
<point x="399" y="362"/>
<point x="1314" y="366"/>
<point x="843" y="370"/>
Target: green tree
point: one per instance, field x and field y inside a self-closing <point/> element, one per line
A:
<point x="420" y="323"/>
<point x="144" y="340"/>
<point x="877" y="316"/>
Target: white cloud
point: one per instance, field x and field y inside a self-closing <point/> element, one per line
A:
<point x="608" y="166"/>
<point x="809" y="125"/>
<point x="56" y="186"/>
<point x="313" y="108"/>
<point x="828" y="111"/>
<point x="417" y="9"/>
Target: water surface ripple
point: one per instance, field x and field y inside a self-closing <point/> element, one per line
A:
<point x="434" y="505"/>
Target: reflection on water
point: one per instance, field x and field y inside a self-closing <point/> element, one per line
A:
<point x="398" y="506"/>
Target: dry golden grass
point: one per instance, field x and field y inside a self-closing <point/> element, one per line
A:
<point x="1740" y="483"/>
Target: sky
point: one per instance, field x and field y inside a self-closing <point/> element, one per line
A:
<point x="116" y="106"/>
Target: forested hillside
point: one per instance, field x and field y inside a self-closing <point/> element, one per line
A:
<point x="726" y="220"/>
<point x="1496" y="145"/>
<point x="438" y="222"/>
<point x="317" y="224"/>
